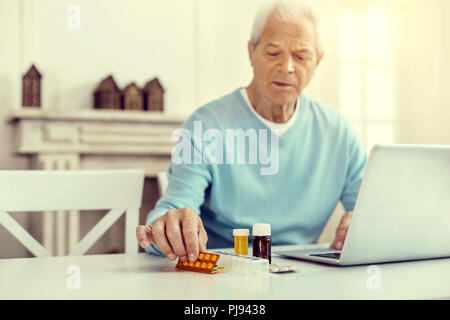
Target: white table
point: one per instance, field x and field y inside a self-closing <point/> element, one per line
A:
<point x="143" y="276"/>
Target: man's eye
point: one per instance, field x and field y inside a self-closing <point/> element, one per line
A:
<point x="300" y="57"/>
<point x="273" y="54"/>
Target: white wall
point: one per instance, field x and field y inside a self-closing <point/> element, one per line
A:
<point x="134" y="40"/>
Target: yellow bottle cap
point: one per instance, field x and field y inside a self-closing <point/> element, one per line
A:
<point x="241" y="232"/>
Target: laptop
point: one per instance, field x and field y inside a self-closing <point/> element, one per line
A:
<point x="402" y="211"/>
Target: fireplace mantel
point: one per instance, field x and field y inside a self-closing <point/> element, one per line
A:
<point x="91" y="139"/>
<point x="96" y="139"/>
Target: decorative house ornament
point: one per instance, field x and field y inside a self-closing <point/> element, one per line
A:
<point x="31" y="88"/>
<point x="107" y="95"/>
<point x="154" y="95"/>
<point x="133" y="98"/>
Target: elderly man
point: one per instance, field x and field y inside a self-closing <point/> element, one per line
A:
<point x="319" y="158"/>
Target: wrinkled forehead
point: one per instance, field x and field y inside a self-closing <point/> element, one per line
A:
<point x="297" y="34"/>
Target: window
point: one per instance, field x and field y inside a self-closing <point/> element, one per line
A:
<point x="367" y="74"/>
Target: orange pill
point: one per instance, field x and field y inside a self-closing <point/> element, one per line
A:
<point x="209" y="265"/>
<point x="197" y="264"/>
<point x="185" y="263"/>
<point x="207" y="256"/>
<point x="200" y="256"/>
<point x="191" y="264"/>
<point x="203" y="266"/>
<point x="213" y="258"/>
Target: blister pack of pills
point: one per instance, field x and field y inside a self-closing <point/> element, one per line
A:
<point x="206" y="263"/>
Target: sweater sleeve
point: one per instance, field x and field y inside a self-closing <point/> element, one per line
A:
<point x="357" y="159"/>
<point x="188" y="176"/>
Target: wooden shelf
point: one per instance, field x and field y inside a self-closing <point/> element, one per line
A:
<point x="96" y="115"/>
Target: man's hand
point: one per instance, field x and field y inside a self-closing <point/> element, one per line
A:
<point x="341" y="231"/>
<point x="178" y="233"/>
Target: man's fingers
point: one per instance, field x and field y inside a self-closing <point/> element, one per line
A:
<point x="338" y="243"/>
<point x="189" y="229"/>
<point x="173" y="232"/>
<point x="177" y="233"/>
<point x="346" y="219"/>
<point x="341" y="231"/>
<point x="160" y="239"/>
<point x="142" y="235"/>
<point x="202" y="238"/>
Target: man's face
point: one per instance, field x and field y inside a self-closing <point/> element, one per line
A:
<point x="284" y="60"/>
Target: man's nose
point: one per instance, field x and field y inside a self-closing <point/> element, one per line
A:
<point x="287" y="64"/>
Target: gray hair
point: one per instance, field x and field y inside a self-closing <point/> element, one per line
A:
<point x="288" y="10"/>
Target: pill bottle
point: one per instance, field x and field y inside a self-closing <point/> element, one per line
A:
<point x="261" y="241"/>
<point x="241" y="241"/>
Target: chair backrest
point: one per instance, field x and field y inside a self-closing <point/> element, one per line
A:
<point x="38" y="190"/>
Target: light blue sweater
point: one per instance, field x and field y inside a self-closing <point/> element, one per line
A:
<point x="317" y="163"/>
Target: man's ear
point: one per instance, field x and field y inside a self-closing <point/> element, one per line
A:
<point x="251" y="52"/>
<point x="320" y="59"/>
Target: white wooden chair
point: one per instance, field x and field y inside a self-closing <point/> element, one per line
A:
<point x="38" y="190"/>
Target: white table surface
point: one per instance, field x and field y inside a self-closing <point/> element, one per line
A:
<point x="144" y="276"/>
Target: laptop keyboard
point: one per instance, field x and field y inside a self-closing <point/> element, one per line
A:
<point x="332" y="255"/>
